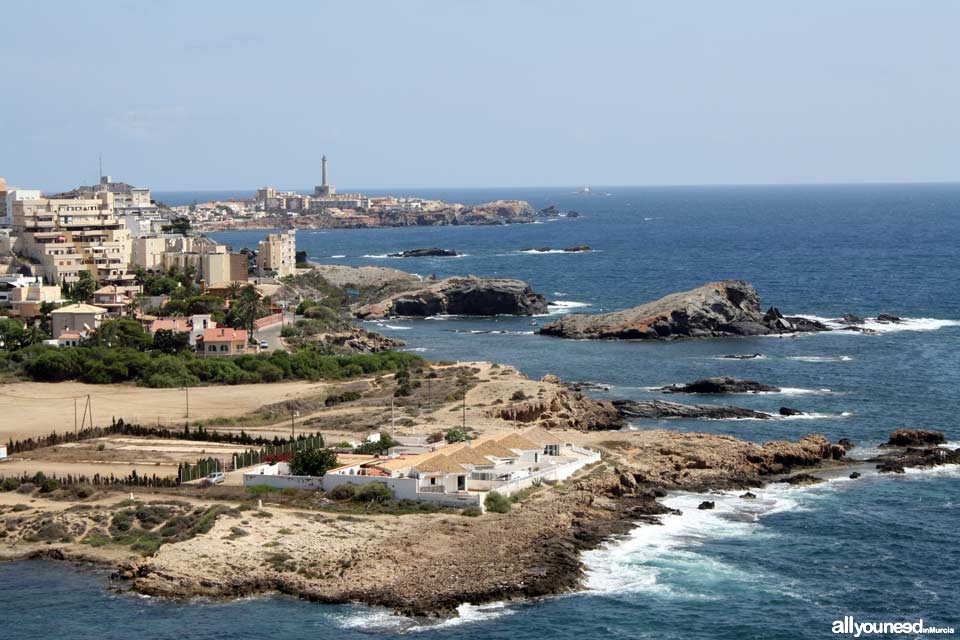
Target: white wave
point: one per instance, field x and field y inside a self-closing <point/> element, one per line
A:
<point x="396" y="327"/>
<point x="871" y="324"/>
<point x="569" y="304"/>
<point x="418" y="349"/>
<point x="375" y="255"/>
<point x="813" y="415"/>
<point x="652" y="556"/>
<point x="820" y="358"/>
<point x="729" y="359"/>
<point x="469" y="614"/>
<point x="796" y="391"/>
<point x="548" y="251"/>
<point x="338" y="256"/>
<point x="559" y="293"/>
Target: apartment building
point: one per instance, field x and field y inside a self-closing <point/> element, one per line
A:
<point x="67" y="236"/>
<point x="278" y="254"/>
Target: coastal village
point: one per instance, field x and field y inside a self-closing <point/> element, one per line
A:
<point x="212" y="421"/>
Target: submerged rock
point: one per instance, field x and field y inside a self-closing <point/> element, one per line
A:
<point x="889" y="318"/>
<point x="854" y="475"/>
<point x="897" y="461"/>
<point x="846" y="443"/>
<point x="706" y="504"/>
<point x="460" y="296"/>
<point x="748" y="356"/>
<point x="914" y="437"/>
<point x="803" y="479"/>
<point x="717" y="309"/>
<point x="749" y="496"/>
<point x="660" y="409"/>
<point x="722" y="384"/>
<point x="787" y="411"/>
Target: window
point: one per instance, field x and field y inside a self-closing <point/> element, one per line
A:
<point x="224" y="347"/>
<point x="212" y="348"/>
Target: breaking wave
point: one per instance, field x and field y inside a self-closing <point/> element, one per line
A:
<point x="871" y="324"/>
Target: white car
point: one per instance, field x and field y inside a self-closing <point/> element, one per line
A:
<point x="264" y="344"/>
<point x="216" y="478"/>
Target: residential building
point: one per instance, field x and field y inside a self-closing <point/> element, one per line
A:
<point x="195" y="325"/>
<point x="128" y="199"/>
<point x="76" y="318"/>
<point x="116" y="298"/>
<point x="26" y="301"/>
<point x="277" y="254"/>
<point x="67" y="236"/>
<point x="223" y="341"/>
<point x="11" y="195"/>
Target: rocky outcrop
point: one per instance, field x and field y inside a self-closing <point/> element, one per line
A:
<point x="747" y="356"/>
<point x="717" y="309"/>
<point x="802" y="480"/>
<point x="789" y="411"/>
<point x="660" y="409"/>
<point x="897" y="461"/>
<point x="720" y="385"/>
<point x="460" y="296"/>
<point x="359" y="340"/>
<point x="914" y="438"/>
<point x="553" y="212"/>
<point x="425" y="253"/>
<point x="563" y="410"/>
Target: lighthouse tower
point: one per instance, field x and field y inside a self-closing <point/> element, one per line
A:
<point x="325" y="188"/>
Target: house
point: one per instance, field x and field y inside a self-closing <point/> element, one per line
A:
<point x="26" y="298"/>
<point x="116" y="298"/>
<point x="66" y="340"/>
<point x="223" y="341"/>
<point x="76" y="318"/>
<point x="196" y="325"/>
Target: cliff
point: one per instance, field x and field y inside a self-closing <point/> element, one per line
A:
<point x="469" y="296"/>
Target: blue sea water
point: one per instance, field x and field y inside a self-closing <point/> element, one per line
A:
<point x="785" y="566"/>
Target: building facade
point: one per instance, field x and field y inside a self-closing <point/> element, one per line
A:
<point x="277" y="254"/>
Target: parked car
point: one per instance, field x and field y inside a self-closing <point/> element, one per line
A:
<point x="264" y="344"/>
<point x="216" y="478"/>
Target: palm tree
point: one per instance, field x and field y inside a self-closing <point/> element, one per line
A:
<point x="233" y="291"/>
<point x="248" y="306"/>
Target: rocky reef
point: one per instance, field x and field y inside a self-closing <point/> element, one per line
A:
<point x="432" y="252"/>
<point x="720" y="385"/>
<point x="716" y="309"/>
<point x="660" y="409"/>
<point x="914" y="438"/>
<point x="469" y="296"/>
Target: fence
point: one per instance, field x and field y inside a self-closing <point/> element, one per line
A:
<point x="267" y="321"/>
<point x="277" y="452"/>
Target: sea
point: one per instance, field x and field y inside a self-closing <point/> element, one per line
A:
<point x="786" y="565"/>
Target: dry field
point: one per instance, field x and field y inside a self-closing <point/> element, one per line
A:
<point x="31" y="409"/>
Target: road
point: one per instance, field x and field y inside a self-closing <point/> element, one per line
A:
<point x="272" y="333"/>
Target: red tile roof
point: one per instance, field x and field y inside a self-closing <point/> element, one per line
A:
<point x="225" y="334"/>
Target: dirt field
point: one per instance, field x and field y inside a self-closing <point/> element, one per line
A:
<point x="34" y="408"/>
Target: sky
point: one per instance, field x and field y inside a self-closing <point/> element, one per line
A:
<point x="457" y="93"/>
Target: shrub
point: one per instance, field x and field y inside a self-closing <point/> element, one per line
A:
<point x="374" y="492"/>
<point x="518" y="395"/>
<point x="343" y="492"/>
<point x="471" y="512"/>
<point x="456" y="435"/>
<point x="312" y="462"/>
<point x="497" y="503"/>
<point x="10" y="484"/>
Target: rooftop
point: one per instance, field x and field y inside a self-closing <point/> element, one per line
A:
<point x="79" y="308"/>
<point x="224" y="334"/>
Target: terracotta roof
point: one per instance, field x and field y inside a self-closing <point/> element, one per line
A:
<point x="170" y="324"/>
<point x="69" y="336"/>
<point x="79" y="308"/>
<point x="514" y="441"/>
<point x="470" y="455"/>
<point x="442" y="464"/>
<point x="225" y="334"/>
<point x="404" y="462"/>
<point x="495" y="449"/>
<point x="113" y="288"/>
<point x="540" y="436"/>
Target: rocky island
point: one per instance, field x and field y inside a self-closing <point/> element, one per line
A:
<point x="716" y="309"/>
<point x="460" y="296"/>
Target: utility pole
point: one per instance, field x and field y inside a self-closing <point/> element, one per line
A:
<point x="186" y="391"/>
<point x="75" y="428"/>
<point x="393" y="417"/>
<point x="90" y="404"/>
<point x="464" y="408"/>
<point x="293" y="415"/>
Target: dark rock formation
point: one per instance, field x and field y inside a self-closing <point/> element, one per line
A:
<point x="888" y="318"/>
<point x="717" y="309"/>
<point x="854" y="475"/>
<point x="914" y="438"/>
<point x="749" y="496"/>
<point x="803" y="479"/>
<point x="748" y="356"/>
<point x="788" y="411"/>
<point x="660" y="409"/>
<point x="553" y="212"/>
<point x="851" y="319"/>
<point x="580" y="248"/>
<point x="897" y="461"/>
<point x="460" y="296"/>
<point x="722" y="384"/>
<point x="425" y="253"/>
<point x="846" y="443"/>
<point x="706" y="504"/>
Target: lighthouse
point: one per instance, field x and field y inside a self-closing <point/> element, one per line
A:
<point x="325" y="188"/>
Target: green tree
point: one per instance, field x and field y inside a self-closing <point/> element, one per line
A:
<point x="82" y="290"/>
<point x="496" y="502"/>
<point x="456" y="435"/>
<point x="169" y="341"/>
<point x="12" y="334"/>
<point x="312" y="462"/>
<point x="247" y="308"/>
<point x="121" y="332"/>
<point x="179" y="225"/>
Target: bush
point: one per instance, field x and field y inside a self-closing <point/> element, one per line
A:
<point x="374" y="492"/>
<point x="518" y="395"/>
<point x="471" y="512"/>
<point x="456" y="435"/>
<point x="312" y="462"/>
<point x="497" y="503"/>
<point x="10" y="484"/>
<point x="343" y="492"/>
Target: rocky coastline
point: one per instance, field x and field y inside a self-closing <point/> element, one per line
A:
<point x="470" y="296"/>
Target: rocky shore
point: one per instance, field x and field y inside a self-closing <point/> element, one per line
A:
<point x="469" y="296"/>
<point x="716" y="309"/>
<point x="721" y="385"/>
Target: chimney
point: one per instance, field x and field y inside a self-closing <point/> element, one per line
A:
<point x="203" y="286"/>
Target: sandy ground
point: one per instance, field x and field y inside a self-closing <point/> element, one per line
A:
<point x="34" y="408"/>
<point x="10" y="468"/>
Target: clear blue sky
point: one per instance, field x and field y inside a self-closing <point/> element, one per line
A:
<point x="206" y="94"/>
